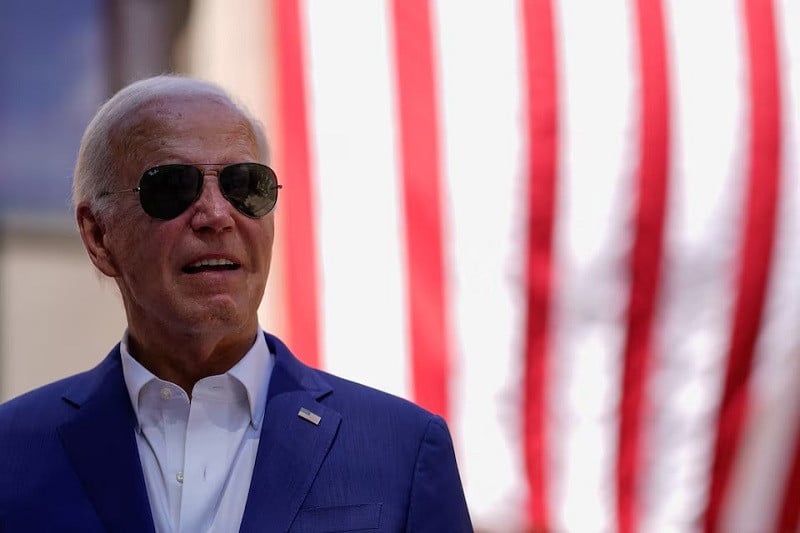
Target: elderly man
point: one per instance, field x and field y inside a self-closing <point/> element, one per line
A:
<point x="198" y="420"/>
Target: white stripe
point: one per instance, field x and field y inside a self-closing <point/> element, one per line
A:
<point x="700" y="259"/>
<point x="359" y="220"/>
<point x="768" y="442"/>
<point x="598" y="156"/>
<point x="480" y="108"/>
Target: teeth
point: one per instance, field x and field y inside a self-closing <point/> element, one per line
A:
<point x="212" y="262"/>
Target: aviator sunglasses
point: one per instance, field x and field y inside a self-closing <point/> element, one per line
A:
<point x="166" y="191"/>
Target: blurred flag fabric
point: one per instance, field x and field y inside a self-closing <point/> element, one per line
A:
<point x="570" y="227"/>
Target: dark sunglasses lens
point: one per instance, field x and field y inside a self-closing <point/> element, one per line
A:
<point x="252" y="188"/>
<point x="166" y="191"/>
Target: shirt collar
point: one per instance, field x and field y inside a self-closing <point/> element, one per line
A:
<point x="253" y="371"/>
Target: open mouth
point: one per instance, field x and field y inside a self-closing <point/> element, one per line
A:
<point x="210" y="265"/>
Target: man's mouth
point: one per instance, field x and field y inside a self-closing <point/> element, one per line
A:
<point x="210" y="265"/>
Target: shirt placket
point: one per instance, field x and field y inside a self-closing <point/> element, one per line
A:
<point x="214" y="429"/>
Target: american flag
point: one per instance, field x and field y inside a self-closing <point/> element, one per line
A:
<point x="570" y="227"/>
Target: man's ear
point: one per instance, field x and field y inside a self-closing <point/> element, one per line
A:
<point x="93" y="233"/>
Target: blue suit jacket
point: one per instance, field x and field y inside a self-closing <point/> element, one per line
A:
<point x="69" y="459"/>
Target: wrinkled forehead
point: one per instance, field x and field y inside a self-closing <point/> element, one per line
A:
<point x="152" y="123"/>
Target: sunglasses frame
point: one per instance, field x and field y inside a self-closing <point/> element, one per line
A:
<point x="272" y="177"/>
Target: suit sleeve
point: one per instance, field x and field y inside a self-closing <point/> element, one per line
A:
<point x="437" y="499"/>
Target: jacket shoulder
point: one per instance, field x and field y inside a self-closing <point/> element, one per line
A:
<point x="49" y="405"/>
<point x="349" y="394"/>
<point x="40" y="407"/>
<point x="344" y="395"/>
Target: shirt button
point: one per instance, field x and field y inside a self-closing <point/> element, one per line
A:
<point x="166" y="393"/>
<point x="179" y="477"/>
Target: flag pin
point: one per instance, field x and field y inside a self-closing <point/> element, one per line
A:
<point x="305" y="414"/>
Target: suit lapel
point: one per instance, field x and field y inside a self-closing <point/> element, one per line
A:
<point x="291" y="448"/>
<point x="100" y="442"/>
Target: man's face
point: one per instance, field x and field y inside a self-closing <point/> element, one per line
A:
<point x="159" y="264"/>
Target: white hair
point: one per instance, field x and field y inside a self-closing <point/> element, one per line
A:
<point x="98" y="165"/>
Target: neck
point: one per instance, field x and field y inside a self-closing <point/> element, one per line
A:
<point x="186" y="359"/>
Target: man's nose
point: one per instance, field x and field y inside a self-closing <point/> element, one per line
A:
<point x="212" y="211"/>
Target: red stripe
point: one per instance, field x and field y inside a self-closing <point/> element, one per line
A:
<point x="540" y="58"/>
<point x="298" y="213"/>
<point x="652" y="175"/>
<point x="422" y="185"/>
<point x="789" y="517"/>
<point x="756" y="250"/>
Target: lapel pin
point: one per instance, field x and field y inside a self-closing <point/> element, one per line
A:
<point x="305" y="414"/>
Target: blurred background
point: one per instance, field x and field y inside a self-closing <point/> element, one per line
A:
<point x="572" y="228"/>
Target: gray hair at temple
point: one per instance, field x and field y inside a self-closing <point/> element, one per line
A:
<point x="99" y="164"/>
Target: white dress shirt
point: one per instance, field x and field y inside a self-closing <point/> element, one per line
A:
<point x="197" y="456"/>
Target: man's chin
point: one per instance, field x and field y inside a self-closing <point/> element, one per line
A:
<point x="209" y="312"/>
<point x="222" y="310"/>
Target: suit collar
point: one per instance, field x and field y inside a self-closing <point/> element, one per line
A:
<point x="101" y="444"/>
<point x="293" y="375"/>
